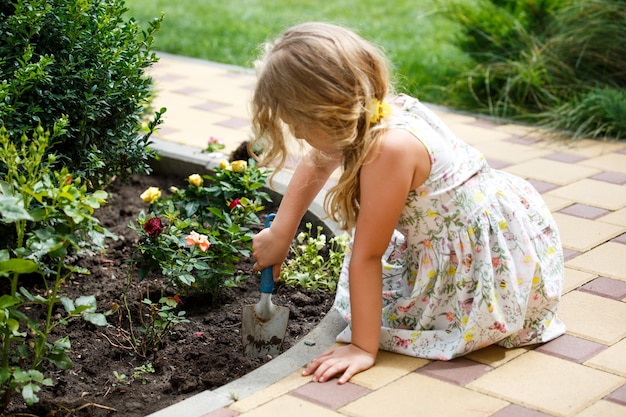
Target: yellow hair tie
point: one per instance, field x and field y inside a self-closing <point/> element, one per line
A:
<point x="378" y="109"/>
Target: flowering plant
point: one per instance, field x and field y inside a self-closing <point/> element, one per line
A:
<point x="46" y="219"/>
<point x="195" y="235"/>
<point x="214" y="144"/>
<point x="315" y="263"/>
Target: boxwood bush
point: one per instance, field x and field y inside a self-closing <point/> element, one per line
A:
<point x="81" y="59"/>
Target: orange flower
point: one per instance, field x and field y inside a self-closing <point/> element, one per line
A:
<point x="196" y="239"/>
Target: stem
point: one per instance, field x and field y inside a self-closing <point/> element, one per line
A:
<point x="41" y="346"/>
<point x="133" y="339"/>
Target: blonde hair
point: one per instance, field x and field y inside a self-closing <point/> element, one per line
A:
<point x="323" y="75"/>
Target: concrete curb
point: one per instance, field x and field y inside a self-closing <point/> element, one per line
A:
<point x="184" y="160"/>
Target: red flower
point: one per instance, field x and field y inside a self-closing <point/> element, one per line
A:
<point x="236" y="202"/>
<point x="153" y="227"/>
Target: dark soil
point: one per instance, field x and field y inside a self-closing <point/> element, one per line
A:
<point x="203" y="354"/>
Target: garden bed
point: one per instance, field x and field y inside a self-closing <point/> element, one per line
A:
<point x="109" y="378"/>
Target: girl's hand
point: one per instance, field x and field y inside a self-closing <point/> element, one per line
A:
<point x="349" y="360"/>
<point x="269" y="250"/>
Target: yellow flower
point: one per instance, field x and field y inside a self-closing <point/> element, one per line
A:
<point x="195" y="179"/>
<point x="239" y="166"/>
<point x="378" y="110"/>
<point x="468" y="336"/>
<point x="151" y="195"/>
<point x="502" y="225"/>
<point x="224" y="164"/>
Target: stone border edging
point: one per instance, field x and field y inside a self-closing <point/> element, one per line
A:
<point x="184" y="160"/>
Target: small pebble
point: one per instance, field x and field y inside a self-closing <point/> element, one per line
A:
<point x="309" y="343"/>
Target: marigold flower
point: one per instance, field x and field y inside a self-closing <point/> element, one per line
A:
<point x="235" y="203"/>
<point x="239" y="166"/>
<point x="196" y="239"/>
<point x="195" y="179"/>
<point x="151" y="195"/>
<point x="153" y="227"/>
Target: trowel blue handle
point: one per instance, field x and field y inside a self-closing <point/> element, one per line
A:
<point x="267" y="279"/>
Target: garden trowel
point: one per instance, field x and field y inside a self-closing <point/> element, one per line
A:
<point x="264" y="324"/>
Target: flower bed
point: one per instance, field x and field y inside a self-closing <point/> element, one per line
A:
<point x="204" y="352"/>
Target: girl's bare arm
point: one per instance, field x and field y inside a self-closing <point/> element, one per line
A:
<point x="272" y="245"/>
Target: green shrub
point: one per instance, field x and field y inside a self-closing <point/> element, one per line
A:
<point x="504" y="38"/>
<point x="598" y="113"/>
<point x="490" y="28"/>
<point x="585" y="36"/>
<point x="550" y="62"/>
<point x="82" y="60"/>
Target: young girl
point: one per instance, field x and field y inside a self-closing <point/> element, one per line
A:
<point x="448" y="255"/>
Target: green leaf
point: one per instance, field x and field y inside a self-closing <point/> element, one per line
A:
<point x="63" y="344"/>
<point x="29" y="393"/>
<point x="20" y="376"/>
<point x="87" y="301"/>
<point x="187" y="279"/>
<point x="20" y="266"/>
<point x="8" y="301"/>
<point x="5" y="374"/>
<point x="98" y="319"/>
<point x="14" y="326"/>
<point x="12" y="209"/>
<point x="68" y="304"/>
<point x="61" y="360"/>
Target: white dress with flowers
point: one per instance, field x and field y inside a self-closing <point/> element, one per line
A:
<point x="475" y="260"/>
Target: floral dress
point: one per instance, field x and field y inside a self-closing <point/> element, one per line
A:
<point x="475" y="259"/>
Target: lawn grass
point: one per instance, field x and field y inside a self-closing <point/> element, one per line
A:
<point x="417" y="39"/>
